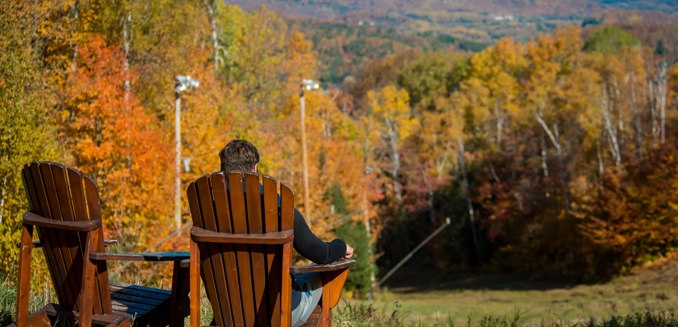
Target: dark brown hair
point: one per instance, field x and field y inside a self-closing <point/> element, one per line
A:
<point x="239" y="155"/>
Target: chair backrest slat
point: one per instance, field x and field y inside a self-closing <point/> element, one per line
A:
<point x="58" y="241"/>
<point x="257" y="252"/>
<point x="84" y="198"/>
<point x="273" y="253"/>
<point x="65" y="194"/>
<point x="211" y="254"/>
<point x="243" y="274"/>
<point x="38" y="202"/>
<point x="238" y="203"/>
<point x="60" y="201"/>
<point x="286" y="222"/>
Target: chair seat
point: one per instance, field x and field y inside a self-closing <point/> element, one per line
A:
<point x="148" y="306"/>
<point x="315" y="318"/>
<point x="144" y="305"/>
<point x="54" y="314"/>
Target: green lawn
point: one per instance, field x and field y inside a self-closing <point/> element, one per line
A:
<point x="436" y="299"/>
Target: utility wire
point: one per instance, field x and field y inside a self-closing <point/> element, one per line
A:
<point x="409" y="255"/>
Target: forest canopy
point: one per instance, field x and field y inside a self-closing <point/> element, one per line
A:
<point x="553" y="156"/>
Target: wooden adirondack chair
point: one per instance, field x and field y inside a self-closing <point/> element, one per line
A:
<point x="241" y="245"/>
<point x="64" y="208"/>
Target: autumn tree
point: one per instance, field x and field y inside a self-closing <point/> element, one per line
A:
<point x="609" y="39"/>
<point x="394" y="122"/>
<point x="628" y="217"/>
<point x="497" y="70"/>
<point x="119" y="146"/>
<point x="26" y="124"/>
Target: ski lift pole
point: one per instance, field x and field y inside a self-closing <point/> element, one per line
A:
<point x="409" y="255"/>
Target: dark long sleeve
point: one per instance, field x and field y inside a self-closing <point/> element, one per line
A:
<point x="311" y="247"/>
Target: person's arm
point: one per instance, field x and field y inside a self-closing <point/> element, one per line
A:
<point x="311" y="247"/>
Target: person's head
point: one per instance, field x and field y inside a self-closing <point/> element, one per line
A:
<point x="239" y="155"/>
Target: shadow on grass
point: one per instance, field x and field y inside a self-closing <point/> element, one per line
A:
<point x="417" y="278"/>
<point x="411" y="279"/>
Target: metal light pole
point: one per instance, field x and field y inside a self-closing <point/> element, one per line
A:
<point x="183" y="83"/>
<point x="306" y="84"/>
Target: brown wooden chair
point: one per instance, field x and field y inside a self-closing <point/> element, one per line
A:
<point x="64" y="208"/>
<point x="241" y="246"/>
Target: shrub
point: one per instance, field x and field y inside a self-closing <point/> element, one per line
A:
<point x="360" y="276"/>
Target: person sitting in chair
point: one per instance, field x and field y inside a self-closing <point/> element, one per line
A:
<point x="242" y="156"/>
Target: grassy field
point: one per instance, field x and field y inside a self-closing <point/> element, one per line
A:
<point x="423" y="298"/>
<point x="648" y="297"/>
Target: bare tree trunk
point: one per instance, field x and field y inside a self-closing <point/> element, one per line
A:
<point x="610" y="130"/>
<point x="76" y="16"/>
<point x="499" y="122"/>
<point x="126" y="24"/>
<point x="214" y="34"/>
<point x="395" y="161"/>
<point x="544" y="163"/>
<point x="653" y="111"/>
<point x="441" y="157"/>
<point x="601" y="163"/>
<point x="660" y="83"/>
<point x="469" y="203"/>
<point x="561" y="174"/>
<point x="620" y="124"/>
<point x="553" y="136"/>
<point x="366" y="171"/>
<point x="637" y="124"/>
<point x="3" y="193"/>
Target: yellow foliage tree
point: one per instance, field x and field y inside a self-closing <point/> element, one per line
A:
<point x="394" y="123"/>
<point x="26" y="129"/>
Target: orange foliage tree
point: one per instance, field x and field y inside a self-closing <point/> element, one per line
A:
<point x="116" y="143"/>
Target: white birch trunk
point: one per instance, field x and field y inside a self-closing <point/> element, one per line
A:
<point x="553" y="136"/>
<point x="395" y="161"/>
<point x="660" y="81"/>
<point x="610" y="130"/>
<point x="127" y="21"/>
<point x="214" y="35"/>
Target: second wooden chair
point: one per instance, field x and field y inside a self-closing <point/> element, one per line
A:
<point x="65" y="210"/>
<point x="241" y="245"/>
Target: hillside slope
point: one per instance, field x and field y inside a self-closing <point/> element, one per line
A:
<point x="349" y="33"/>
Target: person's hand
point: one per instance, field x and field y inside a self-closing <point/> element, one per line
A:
<point x="349" y="252"/>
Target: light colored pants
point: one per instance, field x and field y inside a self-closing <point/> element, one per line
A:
<point x="306" y="293"/>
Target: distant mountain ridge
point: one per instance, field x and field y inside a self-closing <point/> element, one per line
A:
<point x="476" y="20"/>
<point x="333" y="9"/>
<point x="350" y="33"/>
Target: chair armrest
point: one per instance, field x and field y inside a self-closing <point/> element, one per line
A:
<point x="202" y="235"/>
<point x="155" y="256"/>
<point x="337" y="265"/>
<point x="38" y="244"/>
<point x="30" y="218"/>
<point x="334" y="276"/>
<point x="110" y="242"/>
